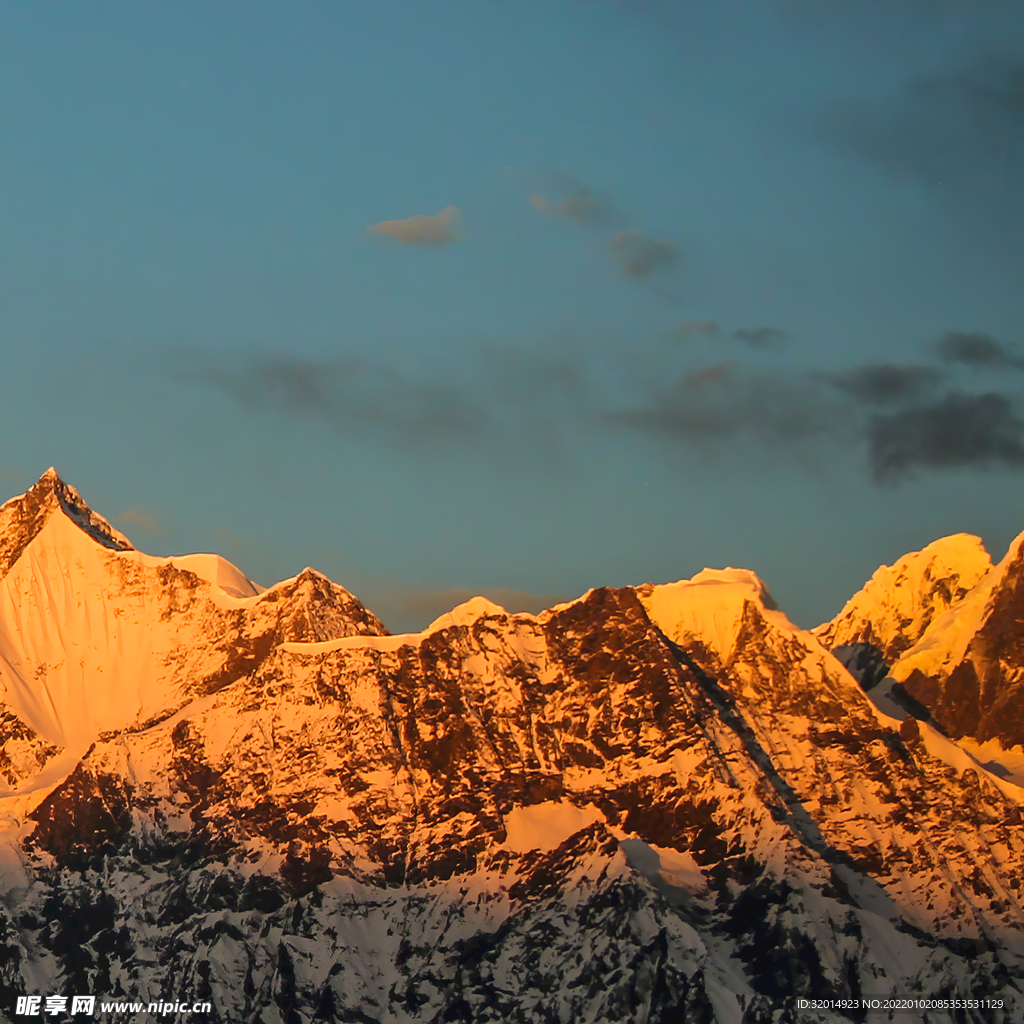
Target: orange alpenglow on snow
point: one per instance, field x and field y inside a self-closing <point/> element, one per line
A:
<point x="458" y="823"/>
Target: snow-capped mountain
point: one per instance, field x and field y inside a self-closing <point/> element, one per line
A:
<point x="651" y="804"/>
<point x="899" y="602"/>
<point x="946" y="627"/>
<point x="968" y="665"/>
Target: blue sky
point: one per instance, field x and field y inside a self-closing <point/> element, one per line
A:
<point x="519" y="298"/>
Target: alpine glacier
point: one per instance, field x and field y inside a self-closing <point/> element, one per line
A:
<point x="650" y="804"/>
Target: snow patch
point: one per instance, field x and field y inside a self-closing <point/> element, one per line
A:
<point x="670" y="867"/>
<point x="549" y="612"/>
<point x="547" y="825"/>
<point x="881" y="697"/>
<point x="1008" y="764"/>
<point x="351" y="643"/>
<point x="220" y="572"/>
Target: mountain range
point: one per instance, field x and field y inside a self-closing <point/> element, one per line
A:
<point x="651" y="804"/>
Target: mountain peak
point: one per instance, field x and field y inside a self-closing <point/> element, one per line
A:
<point x="711" y="605"/>
<point x="967" y="665"/>
<point x="49" y="483"/>
<point x="899" y="602"/>
<point x="25" y="515"/>
<point x="75" y="508"/>
<point x="466" y="613"/>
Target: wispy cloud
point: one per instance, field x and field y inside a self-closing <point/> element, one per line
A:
<point x="707" y="374"/>
<point x="441" y="229"/>
<point x="133" y="519"/>
<point x="953" y="131"/>
<point x="350" y="393"/>
<point x="640" y="255"/>
<point x="689" y="328"/>
<point x="581" y="206"/>
<point x="760" y="337"/>
<point x="636" y="252"/>
<point x="573" y="200"/>
<point x="755" y="337"/>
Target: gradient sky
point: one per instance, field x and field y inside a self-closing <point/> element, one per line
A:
<point x="519" y="297"/>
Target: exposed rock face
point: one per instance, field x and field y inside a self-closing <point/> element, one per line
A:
<point x="648" y="805"/>
<point x="864" y="661"/>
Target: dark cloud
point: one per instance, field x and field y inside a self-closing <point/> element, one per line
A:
<point x="976" y="349"/>
<point x="539" y="402"/>
<point x="952" y="129"/>
<point x="882" y="383"/>
<point x="803" y="414"/>
<point x="760" y="337"/>
<point x="351" y="393"/>
<point x="718" y="403"/>
<point x="978" y="431"/>
<point x="641" y="255"/>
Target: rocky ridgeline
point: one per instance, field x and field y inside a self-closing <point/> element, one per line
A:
<point x="651" y="804"/>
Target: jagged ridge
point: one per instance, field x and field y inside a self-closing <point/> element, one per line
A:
<point x="648" y="804"/>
